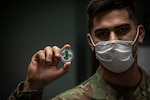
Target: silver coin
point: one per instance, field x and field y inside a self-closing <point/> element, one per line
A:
<point x="67" y="55"/>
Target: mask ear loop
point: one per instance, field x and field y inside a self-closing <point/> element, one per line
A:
<point x="135" y="41"/>
<point x="92" y="41"/>
<point x="136" y="36"/>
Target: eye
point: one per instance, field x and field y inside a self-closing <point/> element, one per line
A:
<point x="102" y="34"/>
<point x="122" y="30"/>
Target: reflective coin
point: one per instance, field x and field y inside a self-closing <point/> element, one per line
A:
<point x="67" y="55"/>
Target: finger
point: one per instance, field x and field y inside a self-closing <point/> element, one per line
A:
<point x="56" y="51"/>
<point x="64" y="69"/>
<point x="48" y="53"/>
<point x="39" y="56"/>
<point x="66" y="46"/>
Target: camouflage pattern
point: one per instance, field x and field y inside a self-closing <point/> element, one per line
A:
<point x="95" y="88"/>
<point x="17" y="94"/>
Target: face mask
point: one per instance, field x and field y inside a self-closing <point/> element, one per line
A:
<point x="115" y="55"/>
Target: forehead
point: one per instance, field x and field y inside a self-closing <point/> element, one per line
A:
<point x="112" y="19"/>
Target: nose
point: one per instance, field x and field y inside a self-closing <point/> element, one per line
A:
<point x="113" y="36"/>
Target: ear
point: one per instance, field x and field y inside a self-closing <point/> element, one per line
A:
<point x="141" y="34"/>
<point x="89" y="41"/>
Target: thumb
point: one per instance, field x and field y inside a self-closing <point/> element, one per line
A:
<point x="64" y="69"/>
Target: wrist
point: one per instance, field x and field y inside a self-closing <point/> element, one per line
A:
<point x="29" y="86"/>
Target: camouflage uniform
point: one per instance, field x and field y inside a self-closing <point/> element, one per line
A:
<point x="94" y="88"/>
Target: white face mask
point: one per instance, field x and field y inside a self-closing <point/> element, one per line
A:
<point x="115" y="55"/>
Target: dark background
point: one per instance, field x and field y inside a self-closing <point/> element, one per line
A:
<point x="28" y="26"/>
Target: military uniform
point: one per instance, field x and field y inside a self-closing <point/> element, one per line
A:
<point x="94" y="88"/>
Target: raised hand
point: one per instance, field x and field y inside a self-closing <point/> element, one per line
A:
<point x="43" y="68"/>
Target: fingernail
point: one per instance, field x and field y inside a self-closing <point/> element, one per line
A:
<point x="57" y="54"/>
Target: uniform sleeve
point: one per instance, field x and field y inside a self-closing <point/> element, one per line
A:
<point x="18" y="94"/>
<point x="83" y="91"/>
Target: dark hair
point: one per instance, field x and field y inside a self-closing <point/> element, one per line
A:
<point x="96" y="7"/>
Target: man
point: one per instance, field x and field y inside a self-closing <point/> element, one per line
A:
<point x="114" y="35"/>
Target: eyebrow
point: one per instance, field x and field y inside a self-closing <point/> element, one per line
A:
<point x="116" y="27"/>
<point x="122" y="25"/>
<point x="101" y="29"/>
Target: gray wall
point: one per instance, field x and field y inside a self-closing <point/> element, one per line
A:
<point x="143" y="13"/>
<point x="144" y="58"/>
<point x="30" y="26"/>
